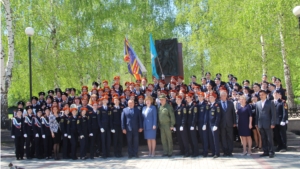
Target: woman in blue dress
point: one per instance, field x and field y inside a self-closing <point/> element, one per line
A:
<point x="149" y="124"/>
<point x="245" y="124"/>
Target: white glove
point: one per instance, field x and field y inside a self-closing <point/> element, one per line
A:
<point x="192" y="128"/>
<point x="287" y="122"/>
<point x="36" y="135"/>
<point x="196" y="127"/>
<point x="282" y="123"/>
<point x="43" y="136"/>
<point x="66" y="135"/>
<point x="113" y="131"/>
<point x="174" y="128"/>
<point x="25" y="135"/>
<point x="215" y="128"/>
<point x="102" y="130"/>
<point x="81" y="136"/>
<point x="91" y="134"/>
<point x="181" y="128"/>
<point x="204" y="127"/>
<point x="12" y="136"/>
<point x="69" y="136"/>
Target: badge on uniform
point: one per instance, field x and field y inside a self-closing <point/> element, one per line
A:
<point x="218" y="109"/>
<point x="190" y="111"/>
<point x="62" y="120"/>
<point x="178" y="112"/>
<point x="98" y="112"/>
<point x="78" y="122"/>
<point x="109" y="113"/>
<point x="207" y="107"/>
<point x="115" y="110"/>
<point x="184" y="110"/>
<point x="195" y="109"/>
<point x="212" y="113"/>
<point x="68" y="122"/>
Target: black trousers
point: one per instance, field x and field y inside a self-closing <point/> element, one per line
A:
<point x="94" y="142"/>
<point x="118" y="141"/>
<point x="106" y="142"/>
<point x="204" y="137"/>
<point x="38" y="147"/>
<point x="30" y="148"/>
<point x="227" y="139"/>
<point x="83" y="145"/>
<point x="19" y="146"/>
<point x="48" y="144"/>
<point x="65" y="151"/>
<point x="74" y="139"/>
<point x="133" y="142"/>
<point x="267" y="140"/>
<point x="280" y="136"/>
<point x="182" y="137"/>
<point x="193" y="141"/>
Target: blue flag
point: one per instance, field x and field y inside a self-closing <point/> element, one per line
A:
<point x="153" y="56"/>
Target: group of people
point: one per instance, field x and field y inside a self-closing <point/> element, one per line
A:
<point x="210" y="113"/>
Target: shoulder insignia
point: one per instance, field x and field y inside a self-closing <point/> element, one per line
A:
<point x="78" y="121"/>
<point x="184" y="110"/>
<point x="218" y="109"/>
<point x="195" y="109"/>
<point x="98" y="112"/>
<point x="207" y="107"/>
<point x="68" y="122"/>
<point x="62" y="120"/>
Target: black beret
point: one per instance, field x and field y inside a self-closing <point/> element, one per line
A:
<point x="217" y="78"/>
<point x="42" y="93"/>
<point x="64" y="93"/>
<point x="57" y="90"/>
<point x="28" y="107"/>
<point x="21" y="110"/>
<point x="39" y="110"/>
<point x="21" y="102"/>
<point x="50" y="91"/>
<point x="34" y="97"/>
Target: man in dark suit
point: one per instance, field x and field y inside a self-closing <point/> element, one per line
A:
<point x="131" y="123"/>
<point x="281" y="116"/>
<point x="265" y="121"/>
<point x="228" y="121"/>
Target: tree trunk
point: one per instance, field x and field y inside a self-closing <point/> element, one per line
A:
<point x="263" y="55"/>
<point x="6" y="80"/>
<point x="287" y="77"/>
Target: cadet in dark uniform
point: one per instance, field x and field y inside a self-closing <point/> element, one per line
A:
<point x="192" y="117"/>
<point x="202" y="120"/>
<point x="181" y="127"/>
<point x="214" y="117"/>
<point x="64" y="130"/>
<point x="280" y="127"/>
<point x="46" y="134"/>
<point x="37" y="131"/>
<point x="104" y="124"/>
<point x="140" y="104"/>
<point x="82" y="126"/>
<point x="28" y="133"/>
<point x="17" y="134"/>
<point x="116" y="127"/>
<point x="94" y="130"/>
<point x="73" y="132"/>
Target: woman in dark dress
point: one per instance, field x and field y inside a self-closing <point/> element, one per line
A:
<point x="245" y="124"/>
<point x="54" y="120"/>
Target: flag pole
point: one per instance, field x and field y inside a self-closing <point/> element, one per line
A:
<point x="162" y="73"/>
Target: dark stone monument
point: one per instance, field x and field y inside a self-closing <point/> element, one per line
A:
<point x="169" y="58"/>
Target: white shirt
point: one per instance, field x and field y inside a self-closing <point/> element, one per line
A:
<point x="263" y="103"/>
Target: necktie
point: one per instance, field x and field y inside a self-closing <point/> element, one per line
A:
<point x="224" y="106"/>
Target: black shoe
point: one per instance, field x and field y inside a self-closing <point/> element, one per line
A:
<point x="74" y="159"/>
<point x="216" y="156"/>
<point x="264" y="155"/>
<point x="120" y="155"/>
<point x="271" y="156"/>
<point x="204" y="155"/>
<point x="194" y="155"/>
<point x="18" y="159"/>
<point x="278" y="149"/>
<point x="186" y="155"/>
<point x="225" y="155"/>
<point x="164" y="155"/>
<point x="211" y="155"/>
<point x="130" y="157"/>
<point x="230" y="155"/>
<point x="21" y="158"/>
<point x="29" y="158"/>
<point x="104" y="157"/>
<point x="92" y="158"/>
<point x="170" y="155"/>
<point x="136" y="156"/>
<point x="283" y="150"/>
<point x="47" y="158"/>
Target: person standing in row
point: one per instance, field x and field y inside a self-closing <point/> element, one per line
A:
<point x="73" y="132"/>
<point x="37" y="130"/>
<point x="181" y="127"/>
<point x="94" y="130"/>
<point x="64" y="129"/>
<point x="266" y="121"/>
<point x="54" y="120"/>
<point x="28" y="133"/>
<point x="166" y="120"/>
<point x="227" y="122"/>
<point x="149" y="114"/>
<point x="116" y="127"/>
<point x="245" y="124"/>
<point x="46" y="134"/>
<point x="82" y="126"/>
<point x="17" y="134"/>
<point x="131" y="123"/>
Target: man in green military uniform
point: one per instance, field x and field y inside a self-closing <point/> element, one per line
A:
<point x="166" y="120"/>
